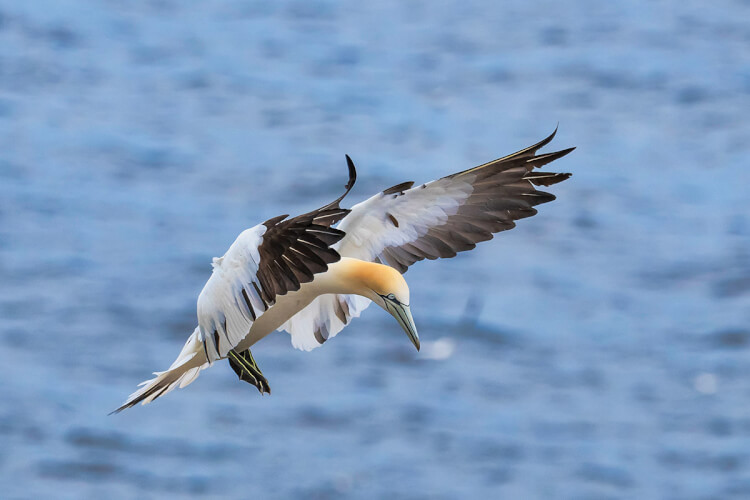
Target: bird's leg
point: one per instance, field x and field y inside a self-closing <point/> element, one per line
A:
<point x="247" y="369"/>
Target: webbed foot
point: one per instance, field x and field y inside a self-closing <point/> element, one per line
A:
<point x="247" y="369"/>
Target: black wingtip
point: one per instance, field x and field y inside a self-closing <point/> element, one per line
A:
<point x="352" y="173"/>
<point x="546" y="178"/>
<point x="531" y="150"/>
<point x="269" y="224"/>
<point x="546" y="140"/>
<point x="566" y="151"/>
<point x="124" y="406"/>
<point x="544" y="159"/>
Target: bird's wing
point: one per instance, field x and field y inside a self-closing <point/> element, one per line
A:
<point x="265" y="261"/>
<point x="323" y="318"/>
<point x="405" y="224"/>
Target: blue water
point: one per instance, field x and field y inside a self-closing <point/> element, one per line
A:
<point x="599" y="350"/>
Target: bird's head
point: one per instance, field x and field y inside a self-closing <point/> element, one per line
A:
<point x="387" y="288"/>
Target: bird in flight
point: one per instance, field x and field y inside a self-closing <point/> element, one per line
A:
<point x="309" y="278"/>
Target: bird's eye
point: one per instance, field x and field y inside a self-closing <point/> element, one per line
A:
<point x="391" y="296"/>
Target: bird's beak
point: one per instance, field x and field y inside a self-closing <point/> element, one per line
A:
<point x="402" y="313"/>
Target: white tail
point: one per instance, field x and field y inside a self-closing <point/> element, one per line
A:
<point x="184" y="370"/>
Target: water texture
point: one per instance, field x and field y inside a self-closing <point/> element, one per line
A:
<point x="600" y="350"/>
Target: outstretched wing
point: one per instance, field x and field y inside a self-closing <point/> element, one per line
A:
<point x="405" y="224"/>
<point x="266" y="261"/>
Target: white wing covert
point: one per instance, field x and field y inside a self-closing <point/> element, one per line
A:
<point x="323" y="318"/>
<point x="231" y="299"/>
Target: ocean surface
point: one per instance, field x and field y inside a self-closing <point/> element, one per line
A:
<point x="600" y="350"/>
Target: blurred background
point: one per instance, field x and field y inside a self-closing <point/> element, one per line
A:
<point x="599" y="350"/>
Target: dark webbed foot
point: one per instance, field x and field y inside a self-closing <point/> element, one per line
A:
<point x="247" y="369"/>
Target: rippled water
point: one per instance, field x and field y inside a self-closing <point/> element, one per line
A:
<point x="599" y="350"/>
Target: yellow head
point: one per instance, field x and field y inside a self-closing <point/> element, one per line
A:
<point x="383" y="280"/>
<point x="387" y="288"/>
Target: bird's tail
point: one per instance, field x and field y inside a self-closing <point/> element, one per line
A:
<point x="184" y="370"/>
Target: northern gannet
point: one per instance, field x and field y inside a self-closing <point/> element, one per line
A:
<point x="304" y="276"/>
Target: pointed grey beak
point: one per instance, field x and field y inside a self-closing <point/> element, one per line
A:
<point x="402" y="313"/>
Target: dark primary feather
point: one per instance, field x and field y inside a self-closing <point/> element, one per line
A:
<point x="399" y="188"/>
<point x="503" y="192"/>
<point x="294" y="250"/>
<point x="330" y="214"/>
